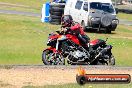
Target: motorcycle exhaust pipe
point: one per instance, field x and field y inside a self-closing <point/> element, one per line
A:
<point x="108" y="47"/>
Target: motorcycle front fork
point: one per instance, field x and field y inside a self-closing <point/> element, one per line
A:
<point x="57" y="45"/>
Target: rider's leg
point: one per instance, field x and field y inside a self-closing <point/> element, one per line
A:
<point x="82" y="40"/>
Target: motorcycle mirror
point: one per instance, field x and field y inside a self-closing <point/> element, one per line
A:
<point x="58" y="32"/>
<point x="50" y="33"/>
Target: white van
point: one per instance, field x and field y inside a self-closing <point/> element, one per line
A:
<point x="95" y="14"/>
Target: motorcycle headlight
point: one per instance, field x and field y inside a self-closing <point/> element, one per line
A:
<point x="63" y="37"/>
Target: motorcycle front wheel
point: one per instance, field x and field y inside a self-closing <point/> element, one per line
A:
<point x="50" y="58"/>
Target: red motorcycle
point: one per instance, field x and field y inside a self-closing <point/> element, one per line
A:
<point x="66" y="48"/>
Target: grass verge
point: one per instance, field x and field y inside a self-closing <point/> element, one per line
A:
<point x="22" y="5"/>
<point x="125" y="16"/>
<point x="24" y="38"/>
<point x="85" y="86"/>
<point x="37" y="4"/>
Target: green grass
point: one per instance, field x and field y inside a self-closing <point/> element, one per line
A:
<point x="32" y="3"/>
<point x="125" y="16"/>
<point x="36" y="5"/>
<point x="24" y="38"/>
<point x="23" y="5"/>
<point x="121" y="40"/>
<point x="85" y="86"/>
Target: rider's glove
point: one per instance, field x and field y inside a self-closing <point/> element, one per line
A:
<point x="68" y="28"/>
<point x="65" y="29"/>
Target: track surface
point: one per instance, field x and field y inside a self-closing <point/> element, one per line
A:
<point x="20" y="13"/>
<point x="40" y="75"/>
<point x="66" y="67"/>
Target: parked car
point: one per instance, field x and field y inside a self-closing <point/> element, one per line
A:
<point x="93" y="14"/>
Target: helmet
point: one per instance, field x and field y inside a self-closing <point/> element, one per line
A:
<point x="66" y="20"/>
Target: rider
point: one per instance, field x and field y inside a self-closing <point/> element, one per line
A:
<point x="68" y="25"/>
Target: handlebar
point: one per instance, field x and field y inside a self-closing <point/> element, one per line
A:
<point x="60" y="32"/>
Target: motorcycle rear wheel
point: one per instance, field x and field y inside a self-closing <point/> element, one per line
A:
<point x="50" y="58"/>
<point x="110" y="62"/>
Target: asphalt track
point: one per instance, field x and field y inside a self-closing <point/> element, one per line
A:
<point x="121" y="21"/>
<point x="20" y="13"/>
<point x="125" y="22"/>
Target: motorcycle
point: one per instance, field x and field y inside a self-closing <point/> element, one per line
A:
<point x="66" y="48"/>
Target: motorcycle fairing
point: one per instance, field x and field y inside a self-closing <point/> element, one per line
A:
<point x="94" y="42"/>
<point x="97" y="42"/>
<point x="73" y="38"/>
<point x="51" y="49"/>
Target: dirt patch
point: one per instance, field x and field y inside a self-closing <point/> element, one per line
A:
<point x="18" y="77"/>
<point x="5" y="85"/>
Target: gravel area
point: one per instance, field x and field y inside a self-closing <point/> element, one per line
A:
<point x="19" y="76"/>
